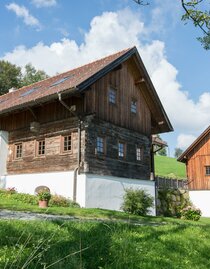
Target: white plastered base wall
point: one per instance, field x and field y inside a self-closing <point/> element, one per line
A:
<point x="201" y="199"/>
<point x="3" y="151"/>
<point x="93" y="191"/>
<point x="107" y="191"/>
<point x="58" y="182"/>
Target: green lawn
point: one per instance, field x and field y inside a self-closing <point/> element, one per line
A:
<point x="169" y="167"/>
<point x="153" y="242"/>
<point x="75" y="245"/>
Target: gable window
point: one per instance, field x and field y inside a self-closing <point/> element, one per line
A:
<point x="67" y="143"/>
<point x="139" y="153"/>
<point x="18" y="150"/>
<point x="133" y="106"/>
<point x="121" y="150"/>
<point x="208" y="170"/>
<point x="41" y="147"/>
<point x="100" y="145"/>
<point x="112" y="96"/>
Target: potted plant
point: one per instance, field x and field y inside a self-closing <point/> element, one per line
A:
<point x="44" y="197"/>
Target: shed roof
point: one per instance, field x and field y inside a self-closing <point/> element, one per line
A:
<point x="184" y="155"/>
<point x="79" y="79"/>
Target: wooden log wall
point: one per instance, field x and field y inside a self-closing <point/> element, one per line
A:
<point x="54" y="158"/>
<point x="109" y="163"/>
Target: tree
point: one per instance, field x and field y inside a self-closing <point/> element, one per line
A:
<point x="32" y="75"/>
<point x="162" y="152"/>
<point x="178" y="152"/>
<point x="194" y="11"/>
<point x="10" y="76"/>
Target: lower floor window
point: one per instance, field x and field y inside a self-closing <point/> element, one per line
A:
<point x="208" y="170"/>
<point x="18" y="150"/>
<point x="138" y="154"/>
<point x="41" y="147"/>
<point x="121" y="150"/>
<point x="100" y="144"/>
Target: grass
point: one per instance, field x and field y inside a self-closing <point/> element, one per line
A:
<point x="169" y="167"/>
<point x="75" y="245"/>
<point x="171" y="244"/>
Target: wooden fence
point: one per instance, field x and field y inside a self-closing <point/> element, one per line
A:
<point x="171" y="183"/>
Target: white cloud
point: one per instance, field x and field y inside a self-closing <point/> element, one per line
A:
<point x="113" y="31"/>
<point x="184" y="141"/>
<point x="44" y="3"/>
<point x="23" y="12"/>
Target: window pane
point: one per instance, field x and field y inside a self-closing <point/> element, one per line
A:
<point x="208" y="170"/>
<point x="134" y="106"/>
<point x="100" y="144"/>
<point x="41" y="147"/>
<point x="67" y="143"/>
<point x="18" y="151"/>
<point x="112" y="96"/>
<point x="138" y="154"/>
<point x="121" y="150"/>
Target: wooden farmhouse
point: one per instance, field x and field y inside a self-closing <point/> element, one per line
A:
<point x="197" y="159"/>
<point x="85" y="134"/>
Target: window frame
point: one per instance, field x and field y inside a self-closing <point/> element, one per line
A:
<point x="112" y="95"/>
<point x="124" y="150"/>
<point x="139" y="154"/>
<point x="103" y="140"/>
<point x="133" y="106"/>
<point x="16" y="154"/>
<point x="63" y="150"/>
<point x="38" y="154"/>
<point x="207" y="170"/>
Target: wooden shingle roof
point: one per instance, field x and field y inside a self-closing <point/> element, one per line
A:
<point x="79" y="79"/>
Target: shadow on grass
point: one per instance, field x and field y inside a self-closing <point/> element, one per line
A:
<point x="94" y="245"/>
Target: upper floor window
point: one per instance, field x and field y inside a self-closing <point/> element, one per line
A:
<point x="208" y="170"/>
<point x="133" y="106"/>
<point x="139" y="153"/>
<point x="18" y="150"/>
<point x="67" y="143"/>
<point x="100" y="145"/>
<point x="112" y="96"/>
<point x="121" y="150"/>
<point x="41" y="147"/>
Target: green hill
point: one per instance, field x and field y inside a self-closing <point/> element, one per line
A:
<point x="169" y="167"/>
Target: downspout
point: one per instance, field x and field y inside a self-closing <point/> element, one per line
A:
<point x="76" y="169"/>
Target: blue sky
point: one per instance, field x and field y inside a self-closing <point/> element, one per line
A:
<point x="57" y="35"/>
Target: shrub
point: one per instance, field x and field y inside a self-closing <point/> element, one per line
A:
<point x="137" y="202"/>
<point x="59" y="200"/>
<point x="191" y="213"/>
<point x="25" y="198"/>
<point x="44" y="195"/>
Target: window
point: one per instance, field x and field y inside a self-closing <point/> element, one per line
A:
<point x="41" y="147"/>
<point x="139" y="152"/>
<point x="121" y="150"/>
<point x="208" y="170"/>
<point x="133" y="106"/>
<point x="112" y="96"/>
<point x="67" y="143"/>
<point x="100" y="144"/>
<point x="18" y="150"/>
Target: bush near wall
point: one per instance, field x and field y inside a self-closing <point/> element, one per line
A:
<point x="170" y="202"/>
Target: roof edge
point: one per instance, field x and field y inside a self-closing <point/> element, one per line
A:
<point x="182" y="157"/>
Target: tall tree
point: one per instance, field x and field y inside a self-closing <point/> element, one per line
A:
<point x="32" y="75"/>
<point x="10" y="76"/>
